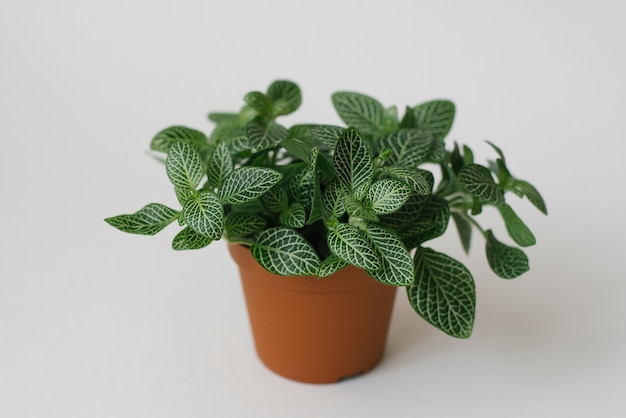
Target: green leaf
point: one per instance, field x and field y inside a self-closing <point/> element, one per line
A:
<point x="220" y="166"/>
<point x="532" y="194"/>
<point x="415" y="179"/>
<point x="397" y="266"/>
<point x="220" y="117"/>
<point x="165" y="139"/>
<point x="148" y="220"/>
<point x="188" y="239"/>
<point x="317" y="206"/>
<point x="363" y="112"/>
<point x="391" y="119"/>
<point x="410" y="147"/>
<point x="205" y="215"/>
<point x="285" y="97"/>
<point x="265" y="136"/>
<point x="276" y="199"/>
<point x="239" y="224"/>
<point x="333" y="198"/>
<point x="247" y="183"/>
<point x="352" y="162"/>
<point x="357" y="211"/>
<point x="294" y="217"/>
<point x="432" y="222"/>
<point x="443" y="293"/>
<point x="285" y="252"/>
<point x="405" y="218"/>
<point x="435" y="117"/>
<point x="351" y="245"/>
<point x="516" y="228"/>
<point x="464" y="228"/>
<point x="233" y="135"/>
<point x="507" y="262"/>
<point x="387" y="196"/>
<point x="297" y="148"/>
<point x="184" y="167"/>
<point x="260" y="103"/>
<point x="477" y="180"/>
<point x="330" y="265"/>
<point x="302" y="186"/>
<point x="327" y="135"/>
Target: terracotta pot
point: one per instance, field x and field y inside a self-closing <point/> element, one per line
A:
<point x="315" y="330"/>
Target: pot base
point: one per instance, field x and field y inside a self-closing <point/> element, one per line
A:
<point x="316" y="330"/>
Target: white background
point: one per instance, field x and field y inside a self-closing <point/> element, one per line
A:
<point x="96" y="323"/>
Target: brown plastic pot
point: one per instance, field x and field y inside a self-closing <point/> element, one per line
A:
<point x="315" y="330"/>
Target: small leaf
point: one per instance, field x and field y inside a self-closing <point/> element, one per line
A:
<point x="165" y="139"/>
<point x="294" y="217"/>
<point x="265" y="136"/>
<point x="302" y="186"/>
<point x="516" y="227"/>
<point x="464" y="228"/>
<point x="148" y="220"/>
<point x="397" y="266"/>
<point x="477" y="180"/>
<point x="188" y="239"/>
<point x="327" y="135"/>
<point x="260" y="103"/>
<point x="276" y="199"/>
<point x="507" y="262"/>
<point x="243" y="224"/>
<point x="205" y="215"/>
<point x="443" y="293"/>
<point x="184" y="166"/>
<point x="351" y="245"/>
<point x="219" y="117"/>
<point x="391" y="119"/>
<point x="387" y="196"/>
<point x="333" y="198"/>
<point x="285" y="97"/>
<point x="220" y="166"/>
<point x="434" y="117"/>
<point x="357" y="210"/>
<point x="415" y="179"/>
<point x="352" y="162"/>
<point x="532" y="194"/>
<point x="331" y="265"/>
<point x="363" y="112"/>
<point x="410" y="147"/>
<point x="247" y="183"/>
<point x="233" y="135"/>
<point x="285" y="252"/>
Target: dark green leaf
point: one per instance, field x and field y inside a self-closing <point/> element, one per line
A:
<point x="361" y="111"/>
<point x="331" y="265"/>
<point x="397" y="266"/>
<point x="247" y="183"/>
<point x="516" y="227"/>
<point x="285" y="97"/>
<point x="184" y="167"/>
<point x="265" y="136"/>
<point x="409" y="147"/>
<point x="205" y="215"/>
<point x="351" y="245"/>
<point x="464" y="228"/>
<point x="243" y="224"/>
<point x="188" y="239"/>
<point x="477" y="180"/>
<point x="532" y="194"/>
<point x="507" y="262"/>
<point x="333" y="199"/>
<point x="434" y="117"/>
<point x="260" y="103"/>
<point x="387" y="196"/>
<point x="165" y="139"/>
<point x="358" y="211"/>
<point x="415" y="179"/>
<point x="352" y="162"/>
<point x="220" y="166"/>
<point x="285" y="252"/>
<point x="148" y="220"/>
<point x="294" y="216"/>
<point x="443" y="293"/>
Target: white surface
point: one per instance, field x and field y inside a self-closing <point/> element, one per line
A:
<point x="96" y="323"/>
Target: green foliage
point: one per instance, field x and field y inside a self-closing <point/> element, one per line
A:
<point x="312" y="199"/>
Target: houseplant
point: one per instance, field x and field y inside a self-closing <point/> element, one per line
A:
<point x="318" y="200"/>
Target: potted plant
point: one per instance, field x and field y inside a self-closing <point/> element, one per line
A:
<point x="347" y="212"/>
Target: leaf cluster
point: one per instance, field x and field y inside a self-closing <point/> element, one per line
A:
<point x="311" y="199"/>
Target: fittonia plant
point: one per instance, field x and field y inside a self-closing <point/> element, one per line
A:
<point x="312" y="199"/>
